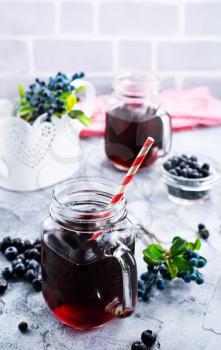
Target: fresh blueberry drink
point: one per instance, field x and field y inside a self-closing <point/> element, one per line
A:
<point x="89" y="272"/>
<point x="134" y="112"/>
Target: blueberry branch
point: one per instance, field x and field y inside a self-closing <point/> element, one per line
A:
<point x="181" y="261"/>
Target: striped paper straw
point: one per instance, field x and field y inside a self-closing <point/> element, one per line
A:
<point x="133" y="170"/>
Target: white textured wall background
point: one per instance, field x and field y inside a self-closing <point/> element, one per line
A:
<point x="178" y="39"/>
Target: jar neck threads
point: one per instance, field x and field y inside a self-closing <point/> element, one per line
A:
<point x="83" y="205"/>
<point x="137" y="85"/>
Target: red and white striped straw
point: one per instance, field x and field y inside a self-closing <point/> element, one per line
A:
<point x="133" y="170"/>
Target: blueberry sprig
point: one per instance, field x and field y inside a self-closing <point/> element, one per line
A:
<point x="56" y="97"/>
<point x="188" y="167"/>
<point x="181" y="261"/>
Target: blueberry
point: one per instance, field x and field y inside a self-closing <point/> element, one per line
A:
<point x="165" y="272"/>
<point x="167" y="165"/>
<point x="204" y="233"/>
<point x="187" y="277"/>
<point x="205" y="166"/>
<point x="3" y="285"/>
<point x="184" y="172"/>
<point x="175" y="161"/>
<point x="138" y="345"/>
<point x="30" y="275"/>
<point x="18" y="243"/>
<point x="201" y="227"/>
<point x="193" y="158"/>
<point x="178" y="170"/>
<point x="19" y="269"/>
<point x="31" y="253"/>
<point x="144" y="276"/>
<point x="16" y="261"/>
<point x="201" y="262"/>
<point x="189" y="253"/>
<point x="173" y="172"/>
<point x="37" y="284"/>
<point x="160" y="284"/>
<point x="6" y="242"/>
<point x="33" y="264"/>
<point x="7" y="273"/>
<point x="182" y="164"/>
<point x="11" y="253"/>
<point x="195" y="255"/>
<point x="153" y="268"/>
<point x="205" y="172"/>
<point x="193" y="276"/>
<point x="37" y="241"/>
<point x="148" y="338"/>
<point x="194" y="261"/>
<point x="199" y="280"/>
<point x="23" y="327"/>
<point x="27" y="244"/>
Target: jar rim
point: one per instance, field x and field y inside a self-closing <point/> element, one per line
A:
<point x="137" y="84"/>
<point x="61" y="210"/>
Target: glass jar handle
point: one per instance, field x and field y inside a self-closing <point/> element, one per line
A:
<point x="129" y="274"/>
<point x="167" y="132"/>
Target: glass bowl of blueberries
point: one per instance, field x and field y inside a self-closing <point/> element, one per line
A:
<point x="189" y="178"/>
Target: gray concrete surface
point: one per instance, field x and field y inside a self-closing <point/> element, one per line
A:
<point x="186" y="316"/>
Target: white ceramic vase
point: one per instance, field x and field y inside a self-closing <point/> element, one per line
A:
<point x="39" y="155"/>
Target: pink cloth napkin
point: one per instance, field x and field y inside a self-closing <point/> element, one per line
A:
<point x="189" y="109"/>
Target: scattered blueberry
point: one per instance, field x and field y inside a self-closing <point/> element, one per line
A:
<point x="160" y="284"/>
<point x="19" y="269"/>
<point x="194" y="261"/>
<point x="11" y="253"/>
<point x="199" y="280"/>
<point x="7" y="273"/>
<point x="37" y="284"/>
<point x="138" y="345"/>
<point x="148" y="338"/>
<point x="6" y="242"/>
<point x="201" y="262"/>
<point x="33" y="264"/>
<point x="30" y="275"/>
<point x="23" y="327"/>
<point x="201" y="227"/>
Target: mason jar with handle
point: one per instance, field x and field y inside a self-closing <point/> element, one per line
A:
<point x="88" y="267"/>
<point x="134" y="112"/>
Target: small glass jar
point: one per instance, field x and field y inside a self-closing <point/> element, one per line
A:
<point x="135" y="113"/>
<point x="88" y="268"/>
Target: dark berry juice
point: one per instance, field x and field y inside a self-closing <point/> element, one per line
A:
<point x="127" y="128"/>
<point x="82" y="282"/>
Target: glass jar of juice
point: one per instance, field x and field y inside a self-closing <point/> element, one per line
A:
<point x="134" y="113"/>
<point x="89" y="274"/>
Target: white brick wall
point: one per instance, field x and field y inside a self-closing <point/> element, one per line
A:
<point x="178" y="39"/>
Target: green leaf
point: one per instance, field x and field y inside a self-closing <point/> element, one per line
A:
<point x="64" y="95"/>
<point x="71" y="101"/>
<point x="23" y="110"/>
<point x="182" y="263"/>
<point x="85" y="120"/>
<point x="153" y="254"/>
<point x="178" y="246"/>
<point x="194" y="246"/>
<point x="197" y="244"/>
<point x="173" y="269"/>
<point x="77" y="114"/>
<point x="21" y="90"/>
<point x="81" y="89"/>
